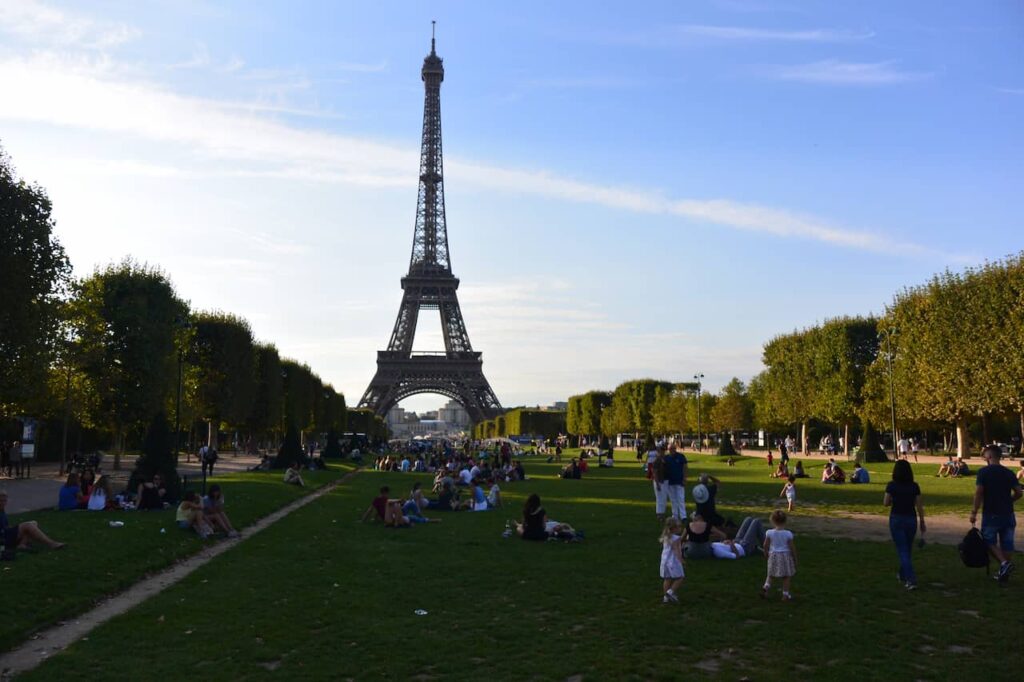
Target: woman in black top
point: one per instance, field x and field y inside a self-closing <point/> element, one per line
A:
<point x="906" y="513"/>
<point x="698" y="538"/>
<point x="535" y="519"/>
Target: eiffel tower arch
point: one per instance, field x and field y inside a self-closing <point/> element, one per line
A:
<point x="457" y="371"/>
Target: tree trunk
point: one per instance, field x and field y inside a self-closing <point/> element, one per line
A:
<point x="209" y="434"/>
<point x="803" y="439"/>
<point x="963" y="448"/>
<point x="984" y="430"/>
<point x="846" y="440"/>
<point x="119" y="449"/>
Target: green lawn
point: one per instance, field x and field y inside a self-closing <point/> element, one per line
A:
<point x="99" y="560"/>
<point x="320" y="596"/>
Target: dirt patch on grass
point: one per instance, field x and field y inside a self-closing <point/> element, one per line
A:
<point x="943" y="529"/>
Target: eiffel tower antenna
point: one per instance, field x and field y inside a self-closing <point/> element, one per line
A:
<point x="457" y="371"/>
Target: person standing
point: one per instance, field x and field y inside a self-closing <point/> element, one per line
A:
<point x="676" y="469"/>
<point x="995" y="492"/>
<point x="904" y="447"/>
<point x="672" y="572"/>
<point x="906" y="514"/>
<point x="656" y="472"/>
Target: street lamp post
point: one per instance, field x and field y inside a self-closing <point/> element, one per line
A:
<point x="700" y="437"/>
<point x="892" y="390"/>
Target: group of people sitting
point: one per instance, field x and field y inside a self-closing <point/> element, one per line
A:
<point x="86" y="492"/>
<point x="574" y="469"/>
<point x="833" y="473"/>
<point x="956" y="468"/>
<point x="205" y="515"/>
<point x="403" y="512"/>
<point x="782" y="470"/>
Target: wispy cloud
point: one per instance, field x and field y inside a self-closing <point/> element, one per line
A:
<point x="39" y="23"/>
<point x="1011" y="91"/>
<point x="230" y="142"/>
<point x="683" y="35"/>
<point x="747" y="33"/>
<point x="835" y="72"/>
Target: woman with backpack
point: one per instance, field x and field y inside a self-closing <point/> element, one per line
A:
<point x="906" y="514"/>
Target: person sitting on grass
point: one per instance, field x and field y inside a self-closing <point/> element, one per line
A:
<point x="947" y="468"/>
<point x="780" y="471"/>
<point x="386" y="509"/>
<point x="69" y="498"/>
<point x="422" y="501"/>
<point x="707" y="508"/>
<point x="533" y="525"/>
<point x="21" y="535"/>
<point x="102" y="497"/>
<point x="292" y="475"/>
<point x="572" y="470"/>
<point x="961" y="468"/>
<point x="151" y="495"/>
<point x="213" y="510"/>
<point x="190" y="515"/>
<point x="798" y="470"/>
<point x="86" y="482"/>
<point x="860" y="474"/>
<point x="698" y="538"/>
<point x="494" y="496"/>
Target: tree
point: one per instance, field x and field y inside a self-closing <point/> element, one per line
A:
<point x="291" y="451"/>
<point x="268" y="404"/>
<point x="223" y="351"/>
<point x="125" y="318"/>
<point x="670" y="410"/>
<point x="36" y="276"/>
<point x="733" y="411"/>
<point x="157" y="458"/>
<point x="583" y="415"/>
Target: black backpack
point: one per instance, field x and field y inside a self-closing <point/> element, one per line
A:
<point x="973" y="550"/>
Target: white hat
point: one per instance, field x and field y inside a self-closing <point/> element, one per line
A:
<point x="700" y="493"/>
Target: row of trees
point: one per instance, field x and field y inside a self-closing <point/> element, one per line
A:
<point x="649" y="406"/>
<point x="522" y="421"/>
<point x="114" y="349"/>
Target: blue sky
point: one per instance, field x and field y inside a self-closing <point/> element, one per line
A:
<point x="637" y="189"/>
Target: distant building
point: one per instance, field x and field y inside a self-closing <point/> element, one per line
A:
<point x="454" y="413"/>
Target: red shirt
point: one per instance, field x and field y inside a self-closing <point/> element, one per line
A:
<point x="380" y="503"/>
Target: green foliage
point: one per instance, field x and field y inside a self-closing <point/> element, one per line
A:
<point x="526" y="422"/>
<point x="268" y="404"/>
<point x="583" y="414"/>
<point x="734" y="410"/>
<point x="362" y="420"/>
<point x="35" y="279"/>
<point x="291" y="450"/>
<point x="126" y="317"/>
<point x="157" y="458"/>
<point x="671" y="410"/>
<point x="223" y="352"/>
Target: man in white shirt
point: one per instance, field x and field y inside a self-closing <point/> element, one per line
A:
<point x="465" y="478"/>
<point x="904" y="447"/>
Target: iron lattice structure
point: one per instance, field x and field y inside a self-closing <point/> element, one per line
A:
<point x="456" y="372"/>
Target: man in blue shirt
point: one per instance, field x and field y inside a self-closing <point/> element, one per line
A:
<point x="997" y="489"/>
<point x="676" y="469"/>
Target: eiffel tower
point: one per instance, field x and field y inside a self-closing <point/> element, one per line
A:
<point x="456" y="372"/>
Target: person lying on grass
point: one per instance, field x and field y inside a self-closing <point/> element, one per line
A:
<point x="749" y="539"/>
<point x="292" y="475"/>
<point x="151" y="495"/>
<point x="21" y="535"/>
<point x="190" y="515"/>
<point x="213" y="510"/>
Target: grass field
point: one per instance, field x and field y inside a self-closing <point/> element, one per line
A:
<point x="52" y="586"/>
<point x="321" y="596"/>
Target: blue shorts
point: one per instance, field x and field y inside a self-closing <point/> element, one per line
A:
<point x="999" y="527"/>
<point x="184" y="525"/>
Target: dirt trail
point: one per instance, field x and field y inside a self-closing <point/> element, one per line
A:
<point x="944" y="529"/>
<point x="56" y="638"/>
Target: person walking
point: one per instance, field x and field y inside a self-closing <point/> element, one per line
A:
<point x="789" y="490"/>
<point x="656" y="472"/>
<point x="906" y="514"/>
<point x="780" y="551"/>
<point x="676" y="469"/>
<point x="995" y="492"/>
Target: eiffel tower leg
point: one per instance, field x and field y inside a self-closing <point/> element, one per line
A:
<point x="405" y="325"/>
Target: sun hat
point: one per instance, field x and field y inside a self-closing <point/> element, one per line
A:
<point x="700" y="493"/>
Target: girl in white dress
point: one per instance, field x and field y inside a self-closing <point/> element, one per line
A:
<point x="671" y="559"/>
<point x="789" y="490"/>
<point x="781" y="553"/>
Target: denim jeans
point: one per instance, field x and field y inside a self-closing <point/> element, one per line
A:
<point x="903" y="529"/>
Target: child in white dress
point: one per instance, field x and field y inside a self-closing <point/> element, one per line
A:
<point x="789" y="490"/>
<point x="671" y="559"/>
<point x="781" y="553"/>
